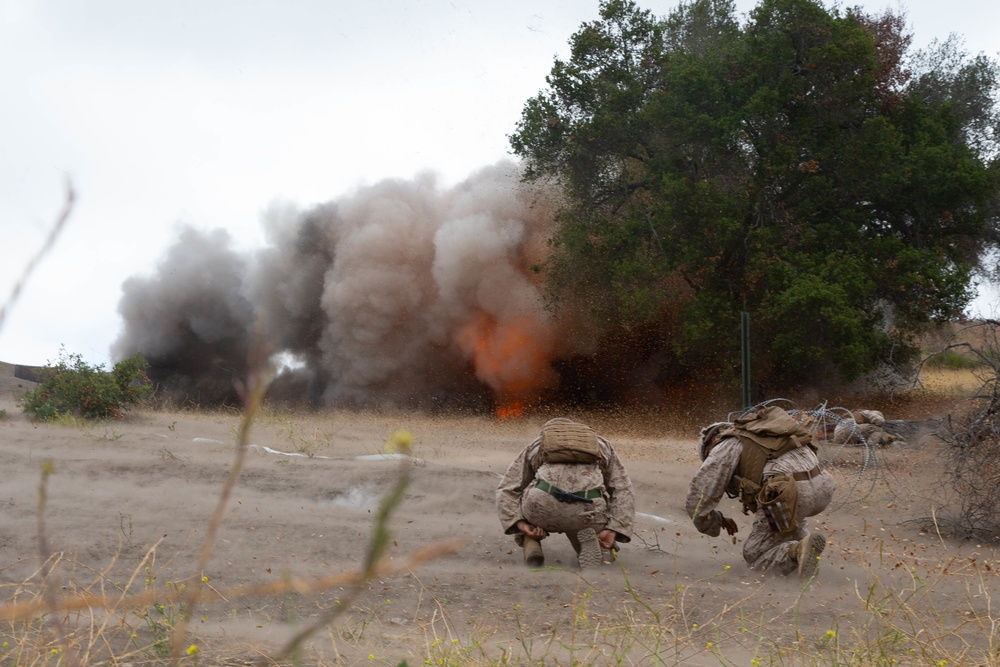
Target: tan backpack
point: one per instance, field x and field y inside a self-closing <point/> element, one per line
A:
<point x="765" y="435"/>
<point x="563" y="441"/>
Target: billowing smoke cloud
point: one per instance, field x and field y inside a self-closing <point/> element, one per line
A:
<point x="400" y="293"/>
<point x="191" y="320"/>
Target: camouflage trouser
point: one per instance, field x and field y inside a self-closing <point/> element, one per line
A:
<point x="580" y="521"/>
<point x="770" y="551"/>
<point x="545" y="511"/>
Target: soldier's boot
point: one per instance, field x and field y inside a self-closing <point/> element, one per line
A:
<point x="533" y="555"/>
<point x="806" y="553"/>
<point x="588" y="549"/>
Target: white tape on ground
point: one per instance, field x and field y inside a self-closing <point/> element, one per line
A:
<point x="387" y="457"/>
<point x="366" y="457"/>
<point x="280" y="453"/>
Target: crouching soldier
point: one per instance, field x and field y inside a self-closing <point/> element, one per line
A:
<point x="767" y="460"/>
<point x="568" y="480"/>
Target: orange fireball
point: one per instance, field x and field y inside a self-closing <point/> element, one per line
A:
<point x="511" y="356"/>
<point x="512" y="410"/>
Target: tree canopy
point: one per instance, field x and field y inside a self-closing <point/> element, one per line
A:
<point x="803" y="166"/>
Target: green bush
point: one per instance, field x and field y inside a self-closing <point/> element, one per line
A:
<point x="72" y="387"/>
<point x="953" y="360"/>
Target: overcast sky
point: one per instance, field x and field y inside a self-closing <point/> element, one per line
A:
<point x="204" y="112"/>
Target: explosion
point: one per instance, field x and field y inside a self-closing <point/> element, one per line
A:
<point x="512" y="357"/>
<point x="401" y="293"/>
<point x="510" y="410"/>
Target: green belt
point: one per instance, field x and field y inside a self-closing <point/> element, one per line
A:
<point x="587" y="495"/>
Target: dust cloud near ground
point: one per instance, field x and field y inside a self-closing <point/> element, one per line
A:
<point x="127" y="508"/>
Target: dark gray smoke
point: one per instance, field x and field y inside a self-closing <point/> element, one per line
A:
<point x="400" y="293"/>
<point x="191" y="320"/>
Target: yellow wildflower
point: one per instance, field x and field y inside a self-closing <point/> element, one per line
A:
<point x="399" y="442"/>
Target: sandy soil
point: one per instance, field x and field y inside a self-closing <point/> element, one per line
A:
<point x="303" y="506"/>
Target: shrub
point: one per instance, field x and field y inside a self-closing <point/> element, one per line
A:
<point x="972" y="444"/>
<point x="953" y="361"/>
<point x="72" y="387"/>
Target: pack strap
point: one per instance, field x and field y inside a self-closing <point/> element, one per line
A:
<point x="808" y="475"/>
<point x="574" y="496"/>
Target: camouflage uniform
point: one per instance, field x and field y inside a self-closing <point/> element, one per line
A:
<point x="764" y="549"/>
<point x="519" y="497"/>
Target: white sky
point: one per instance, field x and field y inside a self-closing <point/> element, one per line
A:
<point x="205" y="111"/>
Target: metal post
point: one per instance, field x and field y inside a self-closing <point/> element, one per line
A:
<point x="745" y="355"/>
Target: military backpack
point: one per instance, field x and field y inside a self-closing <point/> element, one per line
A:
<point x="569" y="462"/>
<point x="765" y="435"/>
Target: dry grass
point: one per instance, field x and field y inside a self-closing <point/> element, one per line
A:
<point x="890" y="625"/>
<point x="66" y="615"/>
<point x="944" y="382"/>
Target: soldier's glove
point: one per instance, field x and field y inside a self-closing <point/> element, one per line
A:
<point x="728" y="524"/>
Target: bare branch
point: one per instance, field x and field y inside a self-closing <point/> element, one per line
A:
<point x="50" y="241"/>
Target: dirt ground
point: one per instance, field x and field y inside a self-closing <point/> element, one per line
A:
<point x="128" y="507"/>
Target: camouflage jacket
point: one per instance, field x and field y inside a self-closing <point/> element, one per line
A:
<point x="710" y="482"/>
<point x="521" y="475"/>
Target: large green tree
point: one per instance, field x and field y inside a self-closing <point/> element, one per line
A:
<point x="802" y="167"/>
